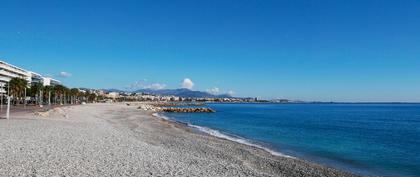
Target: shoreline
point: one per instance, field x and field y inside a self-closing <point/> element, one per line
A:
<point x="243" y="141"/>
<point x="221" y="135"/>
<point x="120" y="140"/>
<point x="233" y="139"/>
<point x="354" y="169"/>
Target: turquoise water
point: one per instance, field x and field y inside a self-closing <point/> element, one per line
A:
<point x="368" y="139"/>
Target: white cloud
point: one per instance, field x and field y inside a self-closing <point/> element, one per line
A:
<point x="217" y="91"/>
<point x="214" y="91"/>
<point x="145" y="85"/>
<point x="187" y="83"/>
<point x="64" y="74"/>
<point x="155" y="86"/>
<point x="231" y="93"/>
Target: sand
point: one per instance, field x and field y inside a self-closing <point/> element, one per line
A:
<point x="120" y="140"/>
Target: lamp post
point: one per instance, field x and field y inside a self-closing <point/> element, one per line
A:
<point x="49" y="98"/>
<point x="1" y="99"/>
<point x="8" y="108"/>
<point x="8" y="101"/>
<point x="24" y="99"/>
<point x="41" y="101"/>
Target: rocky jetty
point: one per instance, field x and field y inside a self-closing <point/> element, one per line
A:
<point x="147" y="107"/>
<point x="163" y="107"/>
<point x="172" y="104"/>
<point x="188" y="110"/>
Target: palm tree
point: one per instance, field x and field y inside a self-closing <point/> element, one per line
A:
<point x="59" y="91"/>
<point x="17" y="86"/>
<point x="66" y="95"/>
<point x="91" y="97"/>
<point x="47" y="93"/>
<point x="36" y="91"/>
<point x="74" y="92"/>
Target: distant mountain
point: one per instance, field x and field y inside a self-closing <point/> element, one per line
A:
<point x="174" y="92"/>
<point x="182" y="93"/>
<point x="112" y="90"/>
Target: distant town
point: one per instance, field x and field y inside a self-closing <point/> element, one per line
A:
<point x="129" y="96"/>
<point x="39" y="89"/>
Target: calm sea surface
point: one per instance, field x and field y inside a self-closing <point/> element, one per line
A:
<point x="369" y="139"/>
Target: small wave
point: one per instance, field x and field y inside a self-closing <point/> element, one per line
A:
<point x="161" y="116"/>
<point x="219" y="134"/>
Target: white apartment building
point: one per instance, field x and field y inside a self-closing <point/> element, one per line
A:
<point x="48" y="81"/>
<point x="113" y="95"/>
<point x="9" y="71"/>
<point x="36" y="78"/>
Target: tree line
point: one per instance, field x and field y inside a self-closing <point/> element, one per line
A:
<point x="19" y="90"/>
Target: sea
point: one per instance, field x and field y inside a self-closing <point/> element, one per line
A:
<point x="366" y="139"/>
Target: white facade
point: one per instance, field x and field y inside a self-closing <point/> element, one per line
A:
<point x="35" y="78"/>
<point x="48" y="81"/>
<point x="8" y="71"/>
<point x="113" y="95"/>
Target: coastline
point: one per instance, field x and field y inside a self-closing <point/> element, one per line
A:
<point x="235" y="139"/>
<point x="240" y="141"/>
<point x="218" y="134"/>
<point x="115" y="139"/>
<point x="252" y="144"/>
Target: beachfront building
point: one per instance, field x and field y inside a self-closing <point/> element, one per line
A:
<point x="48" y="81"/>
<point x="9" y="71"/>
<point x="36" y="78"/>
<point x="45" y="81"/>
<point x="113" y="95"/>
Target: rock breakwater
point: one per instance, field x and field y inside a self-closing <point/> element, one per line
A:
<point x="159" y="108"/>
<point x="189" y="110"/>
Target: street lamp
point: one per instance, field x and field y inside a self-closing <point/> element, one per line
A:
<point x="8" y="108"/>
<point x="1" y="99"/>
<point x="24" y="100"/>
<point x="8" y="101"/>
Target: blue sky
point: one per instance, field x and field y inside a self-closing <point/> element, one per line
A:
<point x="310" y="50"/>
